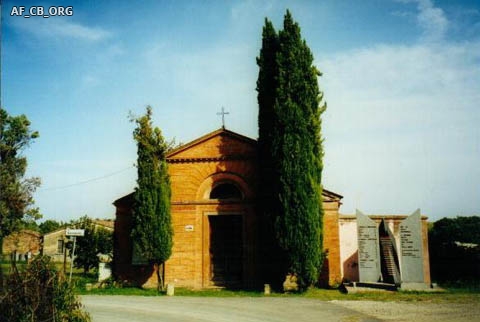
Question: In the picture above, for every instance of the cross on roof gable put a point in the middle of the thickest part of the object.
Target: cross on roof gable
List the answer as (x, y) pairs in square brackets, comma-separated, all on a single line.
[(221, 143)]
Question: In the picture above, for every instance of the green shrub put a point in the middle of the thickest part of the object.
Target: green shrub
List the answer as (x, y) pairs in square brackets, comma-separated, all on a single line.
[(454, 242), (40, 293)]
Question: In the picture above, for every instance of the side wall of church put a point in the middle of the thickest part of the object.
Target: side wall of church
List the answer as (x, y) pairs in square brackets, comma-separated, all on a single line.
[(331, 272), (122, 243)]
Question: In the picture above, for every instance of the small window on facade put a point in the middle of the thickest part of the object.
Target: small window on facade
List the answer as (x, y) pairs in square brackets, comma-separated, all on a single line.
[(225, 191), (60, 245)]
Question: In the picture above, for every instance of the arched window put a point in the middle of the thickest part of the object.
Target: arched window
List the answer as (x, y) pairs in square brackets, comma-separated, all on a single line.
[(225, 191)]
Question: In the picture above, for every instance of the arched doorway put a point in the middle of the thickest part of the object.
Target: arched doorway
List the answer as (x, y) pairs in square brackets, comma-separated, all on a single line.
[(226, 190)]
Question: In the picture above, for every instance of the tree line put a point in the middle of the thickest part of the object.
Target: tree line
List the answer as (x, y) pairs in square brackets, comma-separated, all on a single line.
[(454, 245)]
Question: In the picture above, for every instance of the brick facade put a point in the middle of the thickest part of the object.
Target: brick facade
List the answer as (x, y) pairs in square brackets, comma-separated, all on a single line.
[(196, 169)]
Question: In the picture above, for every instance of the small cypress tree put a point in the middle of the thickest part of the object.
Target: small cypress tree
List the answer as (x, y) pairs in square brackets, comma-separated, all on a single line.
[(152, 230), (290, 141)]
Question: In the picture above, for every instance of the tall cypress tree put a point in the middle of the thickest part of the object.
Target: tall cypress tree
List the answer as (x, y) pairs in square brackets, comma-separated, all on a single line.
[(290, 140), (266, 87), (152, 230), (273, 270)]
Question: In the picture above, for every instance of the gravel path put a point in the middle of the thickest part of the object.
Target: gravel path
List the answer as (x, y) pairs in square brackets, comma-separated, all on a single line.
[(415, 311), (264, 309), (208, 309)]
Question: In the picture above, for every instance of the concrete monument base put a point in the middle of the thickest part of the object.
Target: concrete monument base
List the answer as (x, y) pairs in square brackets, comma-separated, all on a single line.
[(414, 287)]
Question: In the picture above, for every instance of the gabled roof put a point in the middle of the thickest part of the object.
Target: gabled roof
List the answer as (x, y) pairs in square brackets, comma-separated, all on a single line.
[(327, 195), (104, 222), (61, 229), (127, 199), (331, 195), (221, 131), (108, 224)]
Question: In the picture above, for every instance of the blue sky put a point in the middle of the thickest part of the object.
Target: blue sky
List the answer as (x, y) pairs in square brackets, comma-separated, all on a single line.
[(401, 79)]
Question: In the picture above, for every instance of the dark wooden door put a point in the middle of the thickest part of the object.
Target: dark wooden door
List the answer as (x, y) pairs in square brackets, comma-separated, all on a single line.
[(226, 250)]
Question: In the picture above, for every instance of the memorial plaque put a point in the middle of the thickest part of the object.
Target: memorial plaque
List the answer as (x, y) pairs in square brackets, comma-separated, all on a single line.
[(411, 249), (368, 249)]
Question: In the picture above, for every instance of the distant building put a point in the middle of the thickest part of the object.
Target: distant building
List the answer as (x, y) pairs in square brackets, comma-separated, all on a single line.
[(22, 245), (54, 242)]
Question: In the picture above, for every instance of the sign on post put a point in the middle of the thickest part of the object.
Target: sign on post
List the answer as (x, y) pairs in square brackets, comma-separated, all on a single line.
[(75, 232)]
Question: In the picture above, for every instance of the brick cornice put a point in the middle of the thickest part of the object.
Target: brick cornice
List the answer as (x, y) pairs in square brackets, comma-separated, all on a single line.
[(211, 159), (213, 202)]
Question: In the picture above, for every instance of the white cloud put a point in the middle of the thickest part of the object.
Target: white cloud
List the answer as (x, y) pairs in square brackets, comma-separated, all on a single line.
[(404, 116), (432, 20), (59, 28), (402, 124)]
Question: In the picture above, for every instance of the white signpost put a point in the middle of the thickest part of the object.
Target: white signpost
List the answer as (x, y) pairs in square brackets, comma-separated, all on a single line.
[(74, 233)]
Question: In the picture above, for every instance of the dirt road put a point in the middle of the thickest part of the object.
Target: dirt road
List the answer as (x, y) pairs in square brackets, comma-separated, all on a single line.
[(251, 309)]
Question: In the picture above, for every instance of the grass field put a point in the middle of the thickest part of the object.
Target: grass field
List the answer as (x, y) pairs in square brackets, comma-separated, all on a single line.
[(463, 295), (454, 292)]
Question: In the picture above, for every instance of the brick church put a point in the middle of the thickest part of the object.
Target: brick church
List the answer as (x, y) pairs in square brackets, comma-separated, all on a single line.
[(216, 234)]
